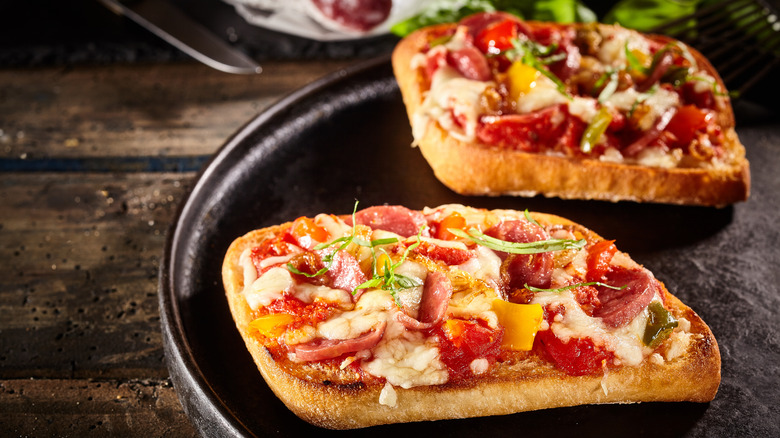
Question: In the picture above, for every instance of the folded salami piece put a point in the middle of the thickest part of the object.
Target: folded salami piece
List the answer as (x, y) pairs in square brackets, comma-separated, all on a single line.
[(499, 105), (379, 316)]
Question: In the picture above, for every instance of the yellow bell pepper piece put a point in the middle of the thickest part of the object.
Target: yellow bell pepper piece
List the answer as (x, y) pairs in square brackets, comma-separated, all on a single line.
[(272, 324), (522, 78), (520, 321)]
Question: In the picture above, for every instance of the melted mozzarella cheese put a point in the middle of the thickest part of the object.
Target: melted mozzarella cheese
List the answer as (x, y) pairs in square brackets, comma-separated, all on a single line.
[(268, 287), (276, 281), (373, 307), (333, 225), (388, 396), (656, 103), (543, 95), (485, 266), (469, 305), (410, 298), (479, 366), (406, 358), (615, 40), (451, 96), (584, 108), (658, 157)]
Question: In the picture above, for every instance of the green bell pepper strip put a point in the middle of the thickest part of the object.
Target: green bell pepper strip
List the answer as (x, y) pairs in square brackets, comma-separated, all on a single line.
[(659, 326), (595, 130)]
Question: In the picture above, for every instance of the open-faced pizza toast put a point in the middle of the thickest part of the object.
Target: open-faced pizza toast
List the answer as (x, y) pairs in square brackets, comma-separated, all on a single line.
[(380, 316), (499, 105)]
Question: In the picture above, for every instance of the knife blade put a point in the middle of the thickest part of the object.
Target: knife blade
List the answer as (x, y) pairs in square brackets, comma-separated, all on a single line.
[(178, 29)]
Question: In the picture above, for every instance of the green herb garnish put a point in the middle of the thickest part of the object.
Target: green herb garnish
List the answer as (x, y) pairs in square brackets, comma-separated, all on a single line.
[(530, 219), (573, 286), (537, 247), (328, 259), (389, 280)]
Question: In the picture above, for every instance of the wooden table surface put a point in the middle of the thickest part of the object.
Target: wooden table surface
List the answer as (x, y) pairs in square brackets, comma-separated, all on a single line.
[(93, 164)]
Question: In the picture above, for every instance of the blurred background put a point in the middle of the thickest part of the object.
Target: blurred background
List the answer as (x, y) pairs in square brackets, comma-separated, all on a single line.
[(40, 33)]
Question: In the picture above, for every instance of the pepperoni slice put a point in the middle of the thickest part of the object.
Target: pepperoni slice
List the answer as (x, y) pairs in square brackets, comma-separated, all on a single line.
[(471, 63), (436, 295), (435, 298), (359, 15), (619, 307), (518, 270), (393, 218), (322, 349), (345, 273)]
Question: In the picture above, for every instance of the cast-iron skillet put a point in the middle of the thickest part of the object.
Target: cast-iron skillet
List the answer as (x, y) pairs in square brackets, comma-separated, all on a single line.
[(346, 138)]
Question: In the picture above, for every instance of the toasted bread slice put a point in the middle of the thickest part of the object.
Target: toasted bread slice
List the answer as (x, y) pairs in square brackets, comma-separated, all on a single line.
[(329, 395), (475, 168)]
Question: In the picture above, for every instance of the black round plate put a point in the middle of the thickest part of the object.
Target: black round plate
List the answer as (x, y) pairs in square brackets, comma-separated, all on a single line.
[(347, 138)]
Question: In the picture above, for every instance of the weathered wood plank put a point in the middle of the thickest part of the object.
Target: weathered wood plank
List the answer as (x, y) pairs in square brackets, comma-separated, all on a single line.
[(137, 110), (79, 274), (80, 408)]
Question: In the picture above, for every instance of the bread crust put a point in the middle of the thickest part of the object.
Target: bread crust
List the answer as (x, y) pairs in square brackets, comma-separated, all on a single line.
[(509, 387), (474, 168)]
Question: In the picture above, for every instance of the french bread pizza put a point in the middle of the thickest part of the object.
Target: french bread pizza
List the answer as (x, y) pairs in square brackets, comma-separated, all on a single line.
[(393, 315), (501, 106)]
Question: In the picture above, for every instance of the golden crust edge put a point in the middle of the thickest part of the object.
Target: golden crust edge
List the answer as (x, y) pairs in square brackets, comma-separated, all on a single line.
[(693, 377), (477, 169)]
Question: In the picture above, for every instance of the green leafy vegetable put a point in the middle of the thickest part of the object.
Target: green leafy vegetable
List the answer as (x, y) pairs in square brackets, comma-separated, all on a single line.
[(644, 15), (452, 11), (518, 248), (442, 12)]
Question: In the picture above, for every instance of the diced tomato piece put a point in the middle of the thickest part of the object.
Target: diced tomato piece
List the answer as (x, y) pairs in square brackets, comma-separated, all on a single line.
[(497, 37), (599, 257), (702, 99), (450, 256), (686, 122), (307, 233), (478, 22), (454, 220), (462, 341), (305, 314), (278, 245), (578, 357)]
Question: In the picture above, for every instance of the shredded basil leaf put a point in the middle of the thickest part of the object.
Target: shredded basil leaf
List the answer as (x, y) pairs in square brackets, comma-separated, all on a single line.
[(573, 286), (530, 219), (518, 248), (389, 280), (610, 88)]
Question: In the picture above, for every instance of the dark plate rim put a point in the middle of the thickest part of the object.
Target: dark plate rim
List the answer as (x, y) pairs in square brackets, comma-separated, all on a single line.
[(188, 379)]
